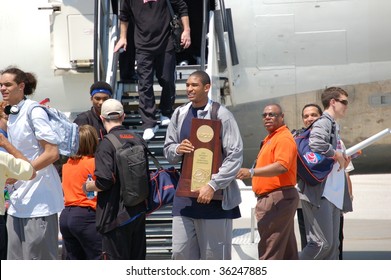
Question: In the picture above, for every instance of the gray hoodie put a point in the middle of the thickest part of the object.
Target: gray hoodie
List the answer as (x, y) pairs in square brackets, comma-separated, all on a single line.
[(323, 139), (232, 150)]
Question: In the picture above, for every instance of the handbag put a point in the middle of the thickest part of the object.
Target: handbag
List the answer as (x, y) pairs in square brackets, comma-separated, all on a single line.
[(163, 183), (313, 168), (162, 186), (176, 29)]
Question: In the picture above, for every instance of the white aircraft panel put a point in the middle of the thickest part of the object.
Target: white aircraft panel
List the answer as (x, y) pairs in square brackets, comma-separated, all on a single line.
[(81, 37), (274, 38), (276, 82), (321, 48)]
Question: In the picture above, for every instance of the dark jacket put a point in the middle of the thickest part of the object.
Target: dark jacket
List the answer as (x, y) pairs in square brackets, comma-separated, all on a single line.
[(110, 210), (90, 117)]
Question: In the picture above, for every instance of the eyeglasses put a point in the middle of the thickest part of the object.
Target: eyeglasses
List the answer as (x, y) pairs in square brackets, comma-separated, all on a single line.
[(270, 115), (343, 101)]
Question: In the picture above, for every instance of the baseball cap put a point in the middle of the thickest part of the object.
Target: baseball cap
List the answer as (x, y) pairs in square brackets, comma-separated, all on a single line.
[(112, 109), (101, 87)]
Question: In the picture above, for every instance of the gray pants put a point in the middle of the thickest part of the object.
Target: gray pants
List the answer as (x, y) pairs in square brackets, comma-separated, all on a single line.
[(201, 239), (32, 238), (322, 230)]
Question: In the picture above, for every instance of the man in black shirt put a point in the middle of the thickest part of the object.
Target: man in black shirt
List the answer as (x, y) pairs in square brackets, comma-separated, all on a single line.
[(100, 91), (155, 54), (122, 227)]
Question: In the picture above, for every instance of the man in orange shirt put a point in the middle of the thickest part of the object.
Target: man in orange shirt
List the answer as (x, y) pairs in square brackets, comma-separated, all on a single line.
[(273, 181)]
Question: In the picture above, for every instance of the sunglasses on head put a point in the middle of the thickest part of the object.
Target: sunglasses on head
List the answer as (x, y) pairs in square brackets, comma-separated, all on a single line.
[(343, 101), (271, 115)]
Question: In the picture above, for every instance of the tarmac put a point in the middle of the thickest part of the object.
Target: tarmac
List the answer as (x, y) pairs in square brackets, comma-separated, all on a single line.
[(367, 230)]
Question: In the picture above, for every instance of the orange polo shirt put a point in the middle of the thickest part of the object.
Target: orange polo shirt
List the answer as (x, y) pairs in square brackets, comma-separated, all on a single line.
[(280, 147), (74, 175)]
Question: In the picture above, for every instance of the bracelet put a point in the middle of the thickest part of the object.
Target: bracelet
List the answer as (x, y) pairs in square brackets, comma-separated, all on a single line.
[(251, 170)]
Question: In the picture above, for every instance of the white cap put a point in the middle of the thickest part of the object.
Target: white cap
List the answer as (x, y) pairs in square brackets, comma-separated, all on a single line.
[(112, 109)]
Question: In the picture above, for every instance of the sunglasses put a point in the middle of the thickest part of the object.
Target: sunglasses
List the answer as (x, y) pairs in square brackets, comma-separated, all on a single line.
[(270, 115), (343, 101)]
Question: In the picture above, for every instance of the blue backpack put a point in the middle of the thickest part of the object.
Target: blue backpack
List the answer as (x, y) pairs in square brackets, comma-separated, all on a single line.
[(313, 168), (66, 131)]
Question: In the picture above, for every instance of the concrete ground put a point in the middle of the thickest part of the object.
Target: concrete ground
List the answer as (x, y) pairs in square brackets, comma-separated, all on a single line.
[(367, 229)]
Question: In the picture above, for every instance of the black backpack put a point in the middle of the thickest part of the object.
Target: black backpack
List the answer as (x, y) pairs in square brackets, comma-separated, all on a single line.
[(132, 165)]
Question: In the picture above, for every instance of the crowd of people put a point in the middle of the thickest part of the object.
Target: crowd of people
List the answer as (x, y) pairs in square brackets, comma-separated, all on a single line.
[(202, 226), (101, 227)]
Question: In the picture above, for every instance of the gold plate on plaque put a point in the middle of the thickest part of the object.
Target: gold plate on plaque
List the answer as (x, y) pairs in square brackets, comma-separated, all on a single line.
[(202, 167), (205, 133)]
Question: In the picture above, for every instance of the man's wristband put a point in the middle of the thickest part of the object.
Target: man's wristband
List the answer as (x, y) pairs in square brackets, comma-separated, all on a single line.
[(251, 170)]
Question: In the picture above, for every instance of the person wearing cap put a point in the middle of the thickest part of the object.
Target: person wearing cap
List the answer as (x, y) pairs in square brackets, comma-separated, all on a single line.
[(100, 91), (126, 241)]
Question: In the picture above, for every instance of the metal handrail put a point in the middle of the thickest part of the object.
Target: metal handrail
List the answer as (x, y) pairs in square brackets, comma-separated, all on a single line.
[(106, 33), (205, 21)]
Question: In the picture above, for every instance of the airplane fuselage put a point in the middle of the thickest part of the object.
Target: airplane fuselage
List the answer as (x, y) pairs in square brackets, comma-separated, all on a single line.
[(288, 51)]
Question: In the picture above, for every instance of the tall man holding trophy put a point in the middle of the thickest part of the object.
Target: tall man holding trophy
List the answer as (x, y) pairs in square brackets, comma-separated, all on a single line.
[(206, 138)]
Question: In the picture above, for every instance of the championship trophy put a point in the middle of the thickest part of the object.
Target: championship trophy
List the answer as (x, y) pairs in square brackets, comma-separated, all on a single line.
[(199, 166)]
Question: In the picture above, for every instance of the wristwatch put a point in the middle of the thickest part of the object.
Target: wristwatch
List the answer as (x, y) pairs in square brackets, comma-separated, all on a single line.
[(251, 170)]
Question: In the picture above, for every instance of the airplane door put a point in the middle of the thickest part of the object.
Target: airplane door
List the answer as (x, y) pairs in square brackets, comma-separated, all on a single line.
[(72, 35)]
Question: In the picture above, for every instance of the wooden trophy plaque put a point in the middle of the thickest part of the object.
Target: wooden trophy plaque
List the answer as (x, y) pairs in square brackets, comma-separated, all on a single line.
[(198, 167)]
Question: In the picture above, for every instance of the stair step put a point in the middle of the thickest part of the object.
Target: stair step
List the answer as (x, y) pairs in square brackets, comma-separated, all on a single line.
[(159, 235), (131, 89), (130, 101), (162, 249)]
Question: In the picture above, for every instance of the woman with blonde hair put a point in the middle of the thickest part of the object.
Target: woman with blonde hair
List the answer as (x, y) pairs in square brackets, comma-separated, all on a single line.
[(77, 220)]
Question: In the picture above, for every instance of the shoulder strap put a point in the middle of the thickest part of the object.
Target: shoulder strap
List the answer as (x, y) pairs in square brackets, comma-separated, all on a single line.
[(177, 115), (154, 159), (117, 144), (332, 132), (170, 8), (213, 114), (332, 126), (215, 109), (114, 140), (29, 118)]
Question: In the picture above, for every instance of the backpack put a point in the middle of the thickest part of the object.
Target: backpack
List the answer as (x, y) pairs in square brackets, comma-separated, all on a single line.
[(132, 165), (67, 132), (313, 168)]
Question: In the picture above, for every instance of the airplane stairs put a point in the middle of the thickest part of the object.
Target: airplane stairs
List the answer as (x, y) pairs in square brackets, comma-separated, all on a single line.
[(159, 223)]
